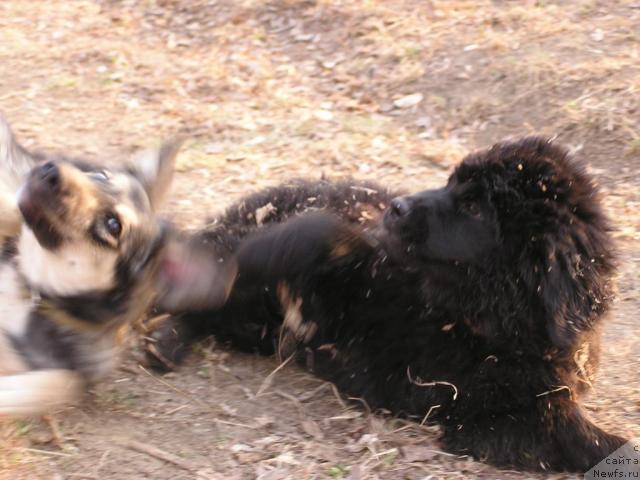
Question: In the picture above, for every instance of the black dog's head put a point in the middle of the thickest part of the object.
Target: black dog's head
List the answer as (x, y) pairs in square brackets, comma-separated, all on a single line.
[(517, 231)]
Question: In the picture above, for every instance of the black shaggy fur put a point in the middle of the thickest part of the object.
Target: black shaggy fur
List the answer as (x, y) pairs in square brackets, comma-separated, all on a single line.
[(478, 302)]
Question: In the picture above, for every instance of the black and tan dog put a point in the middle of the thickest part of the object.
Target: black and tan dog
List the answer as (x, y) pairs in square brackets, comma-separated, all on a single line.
[(82, 256), (476, 306)]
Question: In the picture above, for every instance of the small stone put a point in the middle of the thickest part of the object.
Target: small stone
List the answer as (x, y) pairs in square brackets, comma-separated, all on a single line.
[(324, 115), (423, 122)]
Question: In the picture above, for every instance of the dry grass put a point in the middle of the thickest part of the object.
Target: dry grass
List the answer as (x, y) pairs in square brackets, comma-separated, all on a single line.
[(272, 90)]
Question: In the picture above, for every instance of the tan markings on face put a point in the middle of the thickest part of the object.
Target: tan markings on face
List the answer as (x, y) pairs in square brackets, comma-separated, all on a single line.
[(83, 201), (78, 266), (128, 216), (125, 184), (132, 204), (80, 198), (86, 201), (120, 181)]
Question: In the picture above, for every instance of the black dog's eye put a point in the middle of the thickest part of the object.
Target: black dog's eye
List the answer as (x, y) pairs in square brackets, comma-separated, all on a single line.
[(113, 225), (471, 208)]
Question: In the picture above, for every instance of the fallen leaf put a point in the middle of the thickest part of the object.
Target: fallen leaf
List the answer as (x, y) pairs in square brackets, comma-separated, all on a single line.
[(418, 454), (408, 100), (263, 212), (312, 429), (355, 473)]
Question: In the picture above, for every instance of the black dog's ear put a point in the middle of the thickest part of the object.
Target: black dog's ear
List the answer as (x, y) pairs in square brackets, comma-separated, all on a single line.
[(192, 277), (574, 292), (15, 161)]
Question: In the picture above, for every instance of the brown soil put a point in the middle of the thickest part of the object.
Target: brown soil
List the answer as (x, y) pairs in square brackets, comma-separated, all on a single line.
[(395, 91)]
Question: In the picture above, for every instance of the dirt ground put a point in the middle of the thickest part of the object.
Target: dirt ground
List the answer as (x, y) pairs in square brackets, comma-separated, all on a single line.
[(390, 90)]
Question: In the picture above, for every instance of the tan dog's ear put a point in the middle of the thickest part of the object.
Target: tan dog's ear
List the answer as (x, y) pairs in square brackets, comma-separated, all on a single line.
[(192, 277), (155, 169), (15, 161), (15, 164)]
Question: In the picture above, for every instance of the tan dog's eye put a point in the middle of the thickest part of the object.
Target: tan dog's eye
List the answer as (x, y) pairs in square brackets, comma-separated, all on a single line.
[(113, 225), (101, 175)]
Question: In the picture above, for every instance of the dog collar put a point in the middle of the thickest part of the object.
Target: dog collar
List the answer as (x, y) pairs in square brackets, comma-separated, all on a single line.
[(65, 319), (43, 306)]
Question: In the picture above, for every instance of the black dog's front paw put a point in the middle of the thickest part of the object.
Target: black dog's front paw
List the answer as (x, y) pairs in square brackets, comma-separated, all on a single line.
[(168, 345)]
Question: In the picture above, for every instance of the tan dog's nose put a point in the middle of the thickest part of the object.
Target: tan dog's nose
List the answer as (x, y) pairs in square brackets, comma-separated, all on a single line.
[(48, 176)]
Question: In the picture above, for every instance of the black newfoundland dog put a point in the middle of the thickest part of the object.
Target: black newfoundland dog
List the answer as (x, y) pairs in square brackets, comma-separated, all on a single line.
[(476, 305)]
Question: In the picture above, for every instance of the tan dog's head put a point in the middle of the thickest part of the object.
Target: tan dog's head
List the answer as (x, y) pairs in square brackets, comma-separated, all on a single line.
[(88, 228), (90, 240)]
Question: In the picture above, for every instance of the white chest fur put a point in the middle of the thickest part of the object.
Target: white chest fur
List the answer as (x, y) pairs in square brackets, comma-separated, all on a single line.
[(70, 270)]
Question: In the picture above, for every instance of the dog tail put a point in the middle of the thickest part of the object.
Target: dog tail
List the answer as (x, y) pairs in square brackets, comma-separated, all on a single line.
[(582, 443)]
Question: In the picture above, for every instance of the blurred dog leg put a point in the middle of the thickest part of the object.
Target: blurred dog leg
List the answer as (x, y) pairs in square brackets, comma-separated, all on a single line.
[(9, 215), (38, 392)]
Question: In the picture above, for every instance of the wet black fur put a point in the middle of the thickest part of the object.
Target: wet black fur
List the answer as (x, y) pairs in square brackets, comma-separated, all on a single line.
[(479, 302)]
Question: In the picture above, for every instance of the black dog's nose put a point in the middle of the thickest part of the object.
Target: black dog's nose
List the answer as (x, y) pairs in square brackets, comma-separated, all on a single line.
[(49, 174), (399, 207)]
